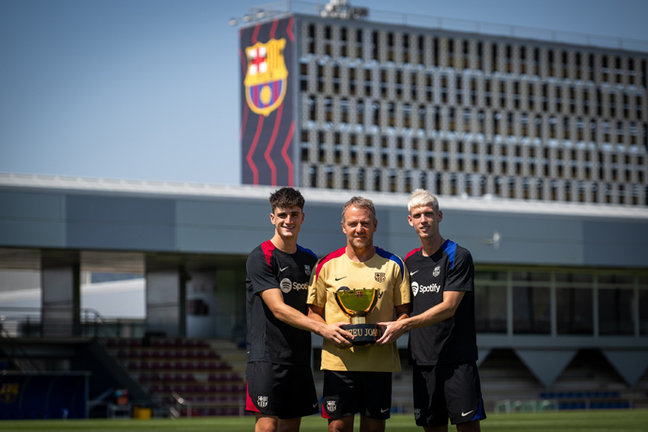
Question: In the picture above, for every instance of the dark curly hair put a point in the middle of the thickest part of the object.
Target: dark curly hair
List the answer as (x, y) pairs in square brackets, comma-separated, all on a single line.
[(285, 198)]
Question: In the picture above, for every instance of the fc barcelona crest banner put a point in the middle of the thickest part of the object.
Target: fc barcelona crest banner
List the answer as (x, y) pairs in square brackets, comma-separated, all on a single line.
[(267, 103), (265, 81)]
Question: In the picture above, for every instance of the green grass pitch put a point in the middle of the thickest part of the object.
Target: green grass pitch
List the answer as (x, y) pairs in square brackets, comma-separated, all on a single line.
[(572, 421)]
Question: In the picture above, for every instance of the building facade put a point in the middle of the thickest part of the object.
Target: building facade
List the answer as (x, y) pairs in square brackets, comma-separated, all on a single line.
[(384, 107)]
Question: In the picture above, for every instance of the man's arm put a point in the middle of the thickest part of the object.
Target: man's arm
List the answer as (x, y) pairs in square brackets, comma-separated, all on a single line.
[(316, 312), (333, 332), (283, 312), (441, 312), (288, 314), (402, 311)]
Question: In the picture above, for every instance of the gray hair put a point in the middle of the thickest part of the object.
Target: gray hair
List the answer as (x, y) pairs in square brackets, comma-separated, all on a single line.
[(360, 202)]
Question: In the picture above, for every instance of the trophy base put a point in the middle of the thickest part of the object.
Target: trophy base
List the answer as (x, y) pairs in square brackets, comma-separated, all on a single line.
[(363, 333)]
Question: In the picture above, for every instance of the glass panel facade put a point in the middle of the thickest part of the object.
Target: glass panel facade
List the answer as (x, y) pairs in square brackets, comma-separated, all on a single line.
[(616, 304), (574, 303), (643, 306), (531, 310), (490, 308), (574, 311), (643, 312), (615, 312), (582, 296), (532, 276), (490, 275), (581, 279)]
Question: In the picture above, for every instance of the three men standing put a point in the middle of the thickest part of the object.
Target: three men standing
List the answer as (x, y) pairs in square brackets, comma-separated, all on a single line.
[(357, 378)]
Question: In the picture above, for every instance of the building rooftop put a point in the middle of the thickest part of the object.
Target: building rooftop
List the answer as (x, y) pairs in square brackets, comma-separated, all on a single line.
[(279, 8), (332, 196)]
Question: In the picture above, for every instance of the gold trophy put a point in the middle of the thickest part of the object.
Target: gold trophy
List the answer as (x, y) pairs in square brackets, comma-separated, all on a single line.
[(357, 304)]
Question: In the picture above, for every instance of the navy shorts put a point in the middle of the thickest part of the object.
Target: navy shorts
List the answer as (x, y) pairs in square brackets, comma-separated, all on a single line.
[(346, 393), (280, 390), (447, 391)]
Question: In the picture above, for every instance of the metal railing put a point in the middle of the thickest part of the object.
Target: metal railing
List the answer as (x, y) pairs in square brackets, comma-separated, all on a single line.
[(16, 354), (17, 321)]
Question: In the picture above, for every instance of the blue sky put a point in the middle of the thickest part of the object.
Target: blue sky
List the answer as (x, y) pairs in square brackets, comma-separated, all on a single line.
[(148, 89)]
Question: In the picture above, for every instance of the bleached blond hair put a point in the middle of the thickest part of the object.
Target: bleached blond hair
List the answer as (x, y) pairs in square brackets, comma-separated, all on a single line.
[(421, 197)]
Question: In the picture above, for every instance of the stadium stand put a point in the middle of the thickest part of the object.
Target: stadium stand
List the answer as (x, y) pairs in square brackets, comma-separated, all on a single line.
[(588, 382), (184, 377)]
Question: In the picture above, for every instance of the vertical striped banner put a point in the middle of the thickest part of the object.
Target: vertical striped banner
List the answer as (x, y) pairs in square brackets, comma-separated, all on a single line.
[(267, 129)]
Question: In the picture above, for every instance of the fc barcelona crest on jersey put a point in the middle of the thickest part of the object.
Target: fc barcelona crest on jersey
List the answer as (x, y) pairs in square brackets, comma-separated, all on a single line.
[(437, 271), (262, 401), (266, 77), (331, 406)]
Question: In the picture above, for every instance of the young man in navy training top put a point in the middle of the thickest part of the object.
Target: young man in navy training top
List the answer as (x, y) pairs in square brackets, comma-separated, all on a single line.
[(280, 386), (442, 340)]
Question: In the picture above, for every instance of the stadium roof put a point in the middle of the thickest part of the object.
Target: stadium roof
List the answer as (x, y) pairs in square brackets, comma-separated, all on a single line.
[(151, 187)]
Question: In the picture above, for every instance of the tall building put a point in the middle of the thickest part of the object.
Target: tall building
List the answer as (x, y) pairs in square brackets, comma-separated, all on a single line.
[(333, 100)]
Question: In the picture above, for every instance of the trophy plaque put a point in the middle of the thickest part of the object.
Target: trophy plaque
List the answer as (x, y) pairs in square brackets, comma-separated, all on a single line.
[(357, 303)]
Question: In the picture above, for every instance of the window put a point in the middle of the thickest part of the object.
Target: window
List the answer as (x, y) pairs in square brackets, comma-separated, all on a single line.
[(531, 303), (574, 304), (490, 301), (643, 306), (615, 304)]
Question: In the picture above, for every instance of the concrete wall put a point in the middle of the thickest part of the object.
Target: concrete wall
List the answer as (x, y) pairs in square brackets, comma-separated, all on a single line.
[(235, 223)]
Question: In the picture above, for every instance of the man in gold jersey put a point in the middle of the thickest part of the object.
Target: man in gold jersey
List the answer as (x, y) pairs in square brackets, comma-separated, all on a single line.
[(358, 379)]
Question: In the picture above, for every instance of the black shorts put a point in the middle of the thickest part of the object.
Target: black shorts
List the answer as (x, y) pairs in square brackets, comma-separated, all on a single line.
[(346, 393), (447, 391), (280, 390)]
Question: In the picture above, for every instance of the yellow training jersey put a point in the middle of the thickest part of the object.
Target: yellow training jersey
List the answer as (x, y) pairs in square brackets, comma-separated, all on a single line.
[(387, 274)]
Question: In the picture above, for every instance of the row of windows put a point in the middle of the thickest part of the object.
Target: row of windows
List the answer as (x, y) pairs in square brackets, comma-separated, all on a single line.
[(469, 53), (479, 158), (458, 89), (457, 184), (560, 303), (427, 119)]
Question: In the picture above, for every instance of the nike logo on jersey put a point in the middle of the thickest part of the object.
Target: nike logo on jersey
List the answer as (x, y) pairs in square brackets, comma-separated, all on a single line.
[(282, 269), (464, 414), (414, 272), (383, 410), (339, 278)]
